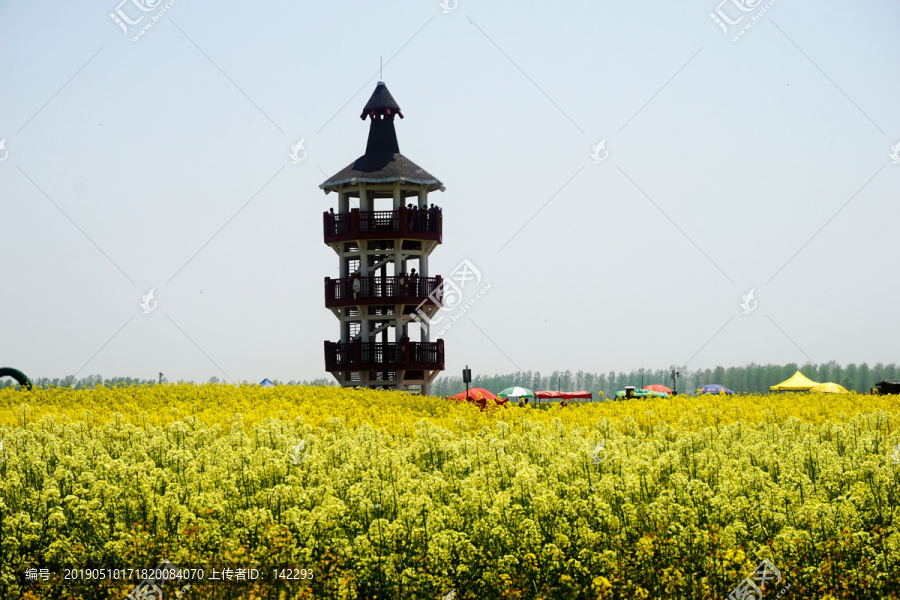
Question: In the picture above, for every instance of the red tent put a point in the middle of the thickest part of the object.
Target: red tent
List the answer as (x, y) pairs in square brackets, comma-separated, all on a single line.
[(475, 394), (656, 387), (546, 395), (479, 396)]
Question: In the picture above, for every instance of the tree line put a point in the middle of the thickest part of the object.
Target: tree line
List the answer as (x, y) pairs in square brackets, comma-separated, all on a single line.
[(748, 379), (92, 381)]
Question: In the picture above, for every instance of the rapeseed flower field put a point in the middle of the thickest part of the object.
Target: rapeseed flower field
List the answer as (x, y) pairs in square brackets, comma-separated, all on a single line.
[(334, 493)]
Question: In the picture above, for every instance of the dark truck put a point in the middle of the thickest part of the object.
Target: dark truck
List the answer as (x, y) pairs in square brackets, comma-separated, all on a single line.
[(886, 387), (631, 392)]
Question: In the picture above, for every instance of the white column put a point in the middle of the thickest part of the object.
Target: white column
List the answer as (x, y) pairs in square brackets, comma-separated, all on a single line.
[(365, 202), (363, 258), (398, 267), (423, 198), (343, 202)]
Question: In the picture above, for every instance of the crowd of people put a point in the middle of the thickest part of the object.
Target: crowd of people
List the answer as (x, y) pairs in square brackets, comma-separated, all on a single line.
[(418, 219), (422, 219)]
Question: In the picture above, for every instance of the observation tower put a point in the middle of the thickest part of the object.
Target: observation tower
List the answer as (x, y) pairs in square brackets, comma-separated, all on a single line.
[(383, 232)]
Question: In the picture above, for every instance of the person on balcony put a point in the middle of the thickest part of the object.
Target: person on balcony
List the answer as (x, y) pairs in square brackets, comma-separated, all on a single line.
[(356, 285), (404, 287), (404, 349), (432, 215), (414, 283)]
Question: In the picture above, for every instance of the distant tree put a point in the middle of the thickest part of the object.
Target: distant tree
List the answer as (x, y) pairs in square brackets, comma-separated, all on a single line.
[(837, 374), (849, 379), (823, 372), (718, 376), (864, 378), (877, 373)]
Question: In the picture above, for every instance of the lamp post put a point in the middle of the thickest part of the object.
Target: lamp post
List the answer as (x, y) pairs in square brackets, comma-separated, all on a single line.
[(674, 376)]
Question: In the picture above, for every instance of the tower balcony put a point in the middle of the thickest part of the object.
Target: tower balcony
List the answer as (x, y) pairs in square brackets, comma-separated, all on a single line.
[(380, 224), (396, 289), (377, 356)]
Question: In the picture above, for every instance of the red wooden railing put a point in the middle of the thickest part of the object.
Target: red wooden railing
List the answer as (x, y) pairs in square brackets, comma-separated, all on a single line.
[(368, 356), (395, 289), (356, 224)]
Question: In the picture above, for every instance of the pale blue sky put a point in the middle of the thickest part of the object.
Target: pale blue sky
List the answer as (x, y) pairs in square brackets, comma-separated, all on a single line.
[(163, 163)]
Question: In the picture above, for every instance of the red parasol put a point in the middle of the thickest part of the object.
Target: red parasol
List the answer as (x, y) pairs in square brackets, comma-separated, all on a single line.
[(479, 396), (475, 394)]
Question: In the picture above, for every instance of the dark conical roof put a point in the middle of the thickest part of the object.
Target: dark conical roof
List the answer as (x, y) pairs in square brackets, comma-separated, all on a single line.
[(382, 168), (382, 161), (381, 100)]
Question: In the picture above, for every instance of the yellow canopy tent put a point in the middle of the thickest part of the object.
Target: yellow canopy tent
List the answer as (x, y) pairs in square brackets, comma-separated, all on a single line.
[(797, 383), (831, 388)]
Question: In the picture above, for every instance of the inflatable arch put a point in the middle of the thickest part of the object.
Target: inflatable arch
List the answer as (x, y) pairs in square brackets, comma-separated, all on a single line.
[(16, 374)]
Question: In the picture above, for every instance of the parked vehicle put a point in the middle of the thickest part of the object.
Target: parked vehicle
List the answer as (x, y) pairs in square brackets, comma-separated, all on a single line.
[(886, 387), (630, 392)]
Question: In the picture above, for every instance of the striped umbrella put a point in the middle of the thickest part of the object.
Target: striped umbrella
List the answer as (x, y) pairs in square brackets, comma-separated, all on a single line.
[(516, 392)]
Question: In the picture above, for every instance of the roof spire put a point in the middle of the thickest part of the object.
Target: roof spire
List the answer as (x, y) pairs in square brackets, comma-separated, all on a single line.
[(381, 104), (381, 108), (382, 161)]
